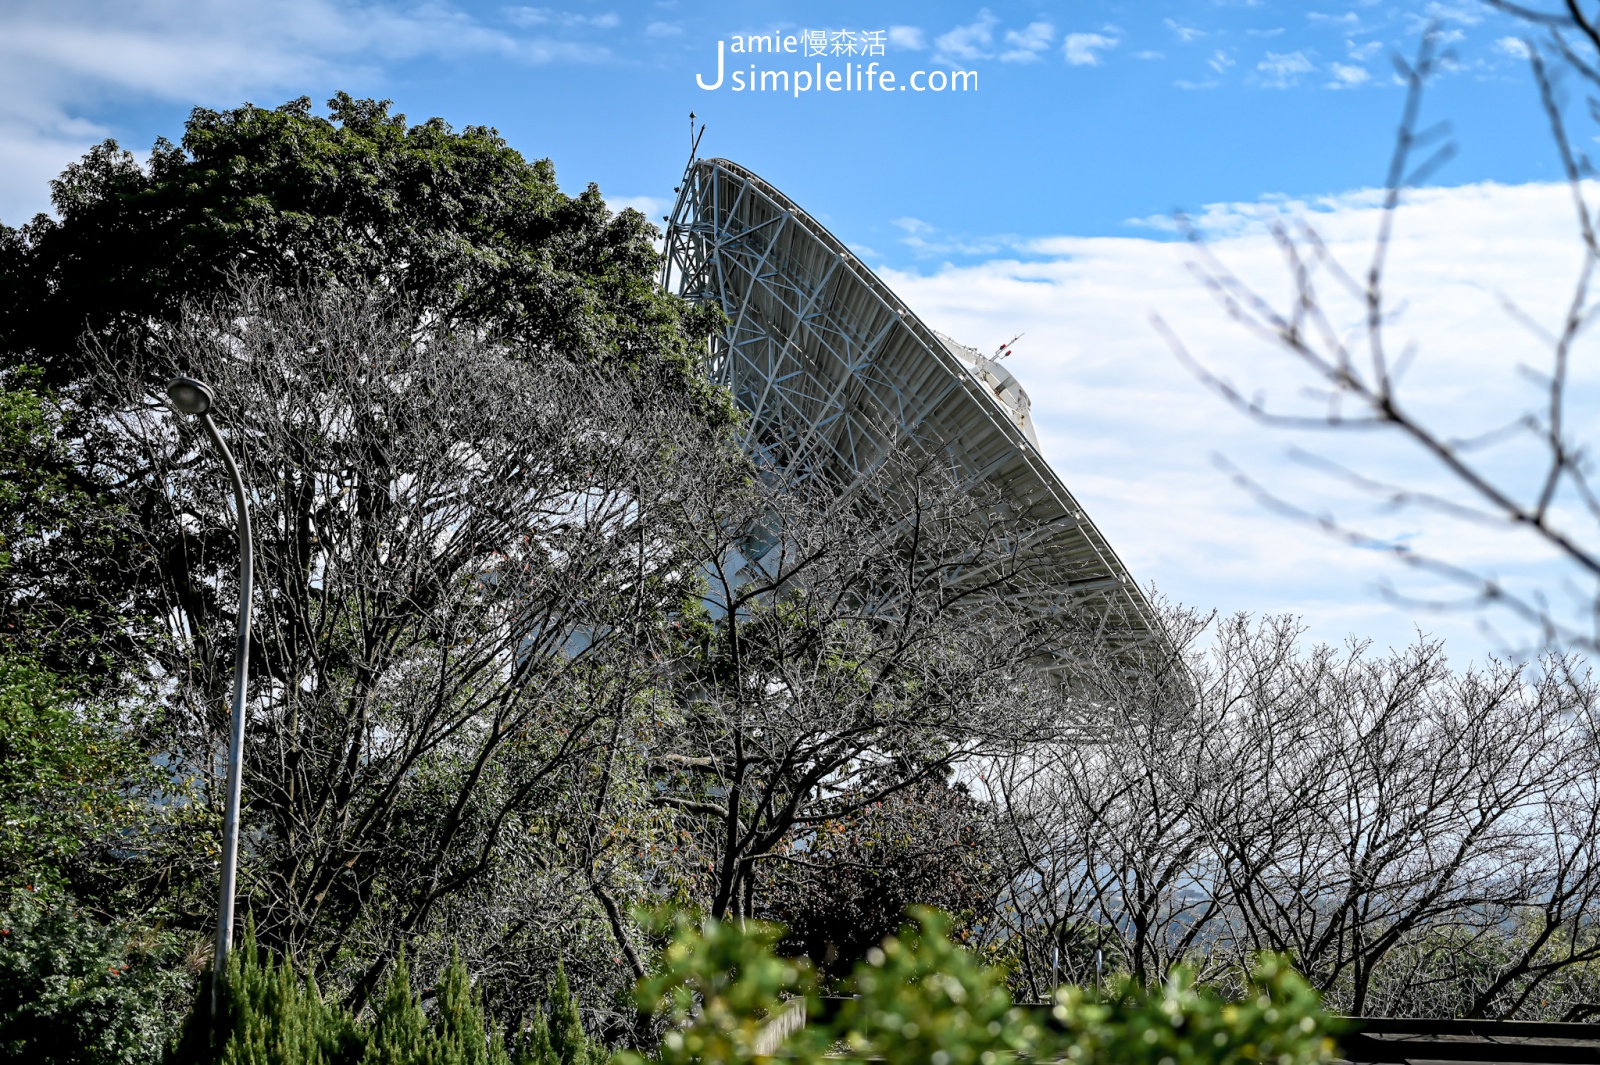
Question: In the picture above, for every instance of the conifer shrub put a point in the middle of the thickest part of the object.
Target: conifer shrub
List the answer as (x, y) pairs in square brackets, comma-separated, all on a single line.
[(556, 1035), (273, 1015)]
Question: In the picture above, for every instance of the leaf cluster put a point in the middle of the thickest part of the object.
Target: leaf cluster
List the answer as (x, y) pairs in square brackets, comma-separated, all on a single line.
[(76, 991), (920, 998)]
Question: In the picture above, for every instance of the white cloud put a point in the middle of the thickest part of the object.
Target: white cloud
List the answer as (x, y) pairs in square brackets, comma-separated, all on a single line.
[(1027, 45), (1346, 76), (1148, 54), (545, 16), (1283, 70), (652, 207), (1082, 49), (1360, 53), (971, 41), (907, 37), (1515, 47), (1466, 14), (1349, 22), (1220, 61), (1185, 33), (926, 241), (663, 29), (1133, 434)]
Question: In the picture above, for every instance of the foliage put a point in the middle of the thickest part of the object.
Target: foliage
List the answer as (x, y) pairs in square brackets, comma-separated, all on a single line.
[(69, 776), (1279, 1019), (74, 991), (568, 1045), (719, 983), (533, 1043), (61, 546), (922, 999), (558, 1038), (841, 885), (399, 1027)]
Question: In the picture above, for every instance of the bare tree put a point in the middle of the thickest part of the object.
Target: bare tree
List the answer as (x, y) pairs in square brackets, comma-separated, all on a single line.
[(1389, 800), (1356, 377), (1417, 839), (851, 645), (1112, 857), (462, 553)]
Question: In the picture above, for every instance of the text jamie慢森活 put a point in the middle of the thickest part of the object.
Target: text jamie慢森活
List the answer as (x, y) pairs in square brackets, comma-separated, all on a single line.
[(851, 76)]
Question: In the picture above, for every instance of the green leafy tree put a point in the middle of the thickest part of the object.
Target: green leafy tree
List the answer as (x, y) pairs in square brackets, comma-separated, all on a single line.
[(841, 885), (63, 551), (459, 220), (71, 782)]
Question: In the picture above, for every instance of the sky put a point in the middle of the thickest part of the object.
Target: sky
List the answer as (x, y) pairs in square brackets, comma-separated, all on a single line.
[(1034, 194)]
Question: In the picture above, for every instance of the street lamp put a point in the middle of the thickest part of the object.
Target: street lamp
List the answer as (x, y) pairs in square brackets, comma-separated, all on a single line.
[(189, 396)]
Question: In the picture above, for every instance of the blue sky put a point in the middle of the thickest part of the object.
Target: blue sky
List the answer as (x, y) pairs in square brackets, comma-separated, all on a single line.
[(1086, 114), (1033, 203)]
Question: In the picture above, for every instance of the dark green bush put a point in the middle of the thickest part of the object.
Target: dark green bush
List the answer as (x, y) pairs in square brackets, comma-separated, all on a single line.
[(74, 991)]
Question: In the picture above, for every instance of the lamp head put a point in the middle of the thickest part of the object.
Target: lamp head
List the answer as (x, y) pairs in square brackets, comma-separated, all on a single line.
[(189, 396)]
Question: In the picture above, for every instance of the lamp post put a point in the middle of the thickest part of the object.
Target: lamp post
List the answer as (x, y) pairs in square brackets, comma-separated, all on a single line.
[(189, 396)]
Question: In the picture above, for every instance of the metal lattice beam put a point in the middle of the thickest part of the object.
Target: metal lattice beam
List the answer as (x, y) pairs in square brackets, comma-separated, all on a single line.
[(835, 371)]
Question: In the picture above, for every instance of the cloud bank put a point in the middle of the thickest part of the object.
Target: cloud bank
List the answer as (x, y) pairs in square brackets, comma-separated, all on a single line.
[(1139, 439)]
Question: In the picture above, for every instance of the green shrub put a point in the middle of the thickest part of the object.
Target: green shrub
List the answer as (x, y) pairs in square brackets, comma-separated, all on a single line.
[(533, 1044), (719, 984), (271, 1015), (922, 1000), (74, 990), (400, 1029)]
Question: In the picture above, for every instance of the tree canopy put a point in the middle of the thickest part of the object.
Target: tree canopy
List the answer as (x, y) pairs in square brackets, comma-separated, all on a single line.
[(460, 221)]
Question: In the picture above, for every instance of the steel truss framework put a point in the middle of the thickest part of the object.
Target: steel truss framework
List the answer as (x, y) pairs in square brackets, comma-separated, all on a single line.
[(835, 371)]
